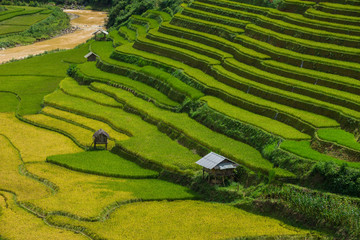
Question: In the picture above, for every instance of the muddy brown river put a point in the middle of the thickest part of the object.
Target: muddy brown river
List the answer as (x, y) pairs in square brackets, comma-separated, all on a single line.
[(88, 22)]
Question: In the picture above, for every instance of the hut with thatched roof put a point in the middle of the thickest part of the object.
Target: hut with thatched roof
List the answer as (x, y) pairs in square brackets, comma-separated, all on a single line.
[(100, 137), (91, 57)]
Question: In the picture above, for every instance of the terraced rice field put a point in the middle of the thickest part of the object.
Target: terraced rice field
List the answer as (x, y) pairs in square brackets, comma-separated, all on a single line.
[(275, 90)]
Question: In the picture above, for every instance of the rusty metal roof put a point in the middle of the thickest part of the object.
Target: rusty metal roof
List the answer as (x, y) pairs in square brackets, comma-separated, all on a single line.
[(214, 160)]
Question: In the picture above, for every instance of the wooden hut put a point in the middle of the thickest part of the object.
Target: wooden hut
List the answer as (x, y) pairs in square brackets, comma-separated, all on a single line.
[(100, 137), (91, 57), (217, 166), (100, 34)]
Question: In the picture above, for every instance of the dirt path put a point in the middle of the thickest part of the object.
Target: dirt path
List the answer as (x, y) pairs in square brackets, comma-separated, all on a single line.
[(88, 22)]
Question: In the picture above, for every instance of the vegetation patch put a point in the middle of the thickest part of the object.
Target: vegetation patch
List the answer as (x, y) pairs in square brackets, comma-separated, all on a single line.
[(102, 163), (339, 136), (303, 149)]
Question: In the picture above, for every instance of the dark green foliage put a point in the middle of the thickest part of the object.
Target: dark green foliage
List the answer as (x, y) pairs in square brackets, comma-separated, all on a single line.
[(230, 127), (335, 178), (122, 9), (52, 25), (339, 214)]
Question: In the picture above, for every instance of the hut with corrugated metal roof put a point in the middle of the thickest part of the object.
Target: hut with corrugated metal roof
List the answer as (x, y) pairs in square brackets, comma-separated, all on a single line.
[(100, 137), (217, 166), (91, 57), (100, 34)]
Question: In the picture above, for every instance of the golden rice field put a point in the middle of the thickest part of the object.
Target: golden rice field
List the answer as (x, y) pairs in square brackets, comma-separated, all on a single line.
[(182, 220), (11, 180), (17, 223), (34, 143)]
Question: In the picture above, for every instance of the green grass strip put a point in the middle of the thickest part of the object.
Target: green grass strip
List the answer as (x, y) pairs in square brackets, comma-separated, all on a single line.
[(298, 56), (70, 86), (117, 39), (213, 40), (27, 20), (265, 123), (315, 24), (323, 16), (341, 7), (146, 141), (299, 96), (208, 16), (230, 29), (152, 23), (339, 136), (303, 149), (237, 6), (164, 16), (102, 163), (309, 72), (235, 150), (90, 70), (210, 82), (355, 52), (127, 33), (104, 50), (172, 81), (279, 24)]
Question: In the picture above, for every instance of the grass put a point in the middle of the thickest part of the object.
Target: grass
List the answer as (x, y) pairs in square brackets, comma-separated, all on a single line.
[(342, 19), (152, 23), (336, 95), (210, 82), (9, 102), (99, 191), (102, 163), (71, 87), (273, 23), (183, 123), (105, 49), (89, 69), (117, 39), (146, 140), (313, 46), (262, 122), (127, 33), (180, 220), (309, 72), (7, 29), (26, 20), (89, 123), (303, 149), (17, 223), (35, 77), (339, 136), (172, 81), (164, 16), (34, 143), (294, 55)]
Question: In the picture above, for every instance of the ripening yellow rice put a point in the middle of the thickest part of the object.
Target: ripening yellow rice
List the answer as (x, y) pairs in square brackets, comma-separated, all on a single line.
[(91, 123), (17, 223), (10, 179), (79, 193), (182, 220), (34, 143), (82, 135)]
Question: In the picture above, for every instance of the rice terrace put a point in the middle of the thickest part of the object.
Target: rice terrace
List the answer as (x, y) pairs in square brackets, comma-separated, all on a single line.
[(179, 119)]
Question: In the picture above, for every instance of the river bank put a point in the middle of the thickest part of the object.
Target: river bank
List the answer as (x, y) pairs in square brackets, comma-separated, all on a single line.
[(83, 26)]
